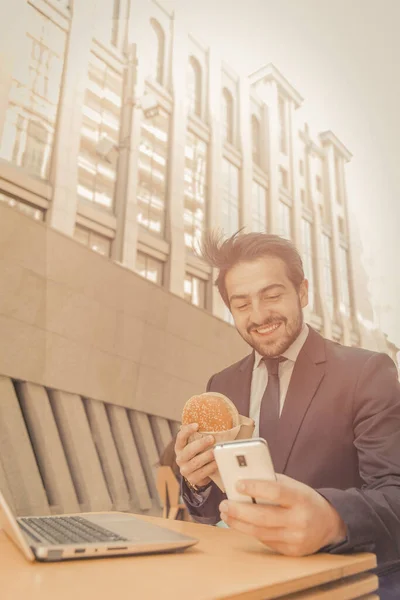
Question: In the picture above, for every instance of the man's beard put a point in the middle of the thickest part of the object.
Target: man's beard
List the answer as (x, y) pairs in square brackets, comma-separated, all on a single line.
[(277, 346)]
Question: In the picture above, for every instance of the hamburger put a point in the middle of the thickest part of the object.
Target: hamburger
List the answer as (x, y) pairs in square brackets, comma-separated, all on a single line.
[(212, 411)]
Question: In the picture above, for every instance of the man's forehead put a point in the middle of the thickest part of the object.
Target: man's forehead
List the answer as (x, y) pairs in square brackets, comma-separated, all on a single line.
[(268, 268), (253, 281)]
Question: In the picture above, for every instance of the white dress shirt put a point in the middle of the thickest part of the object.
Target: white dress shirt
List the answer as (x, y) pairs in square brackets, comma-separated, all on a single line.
[(259, 379)]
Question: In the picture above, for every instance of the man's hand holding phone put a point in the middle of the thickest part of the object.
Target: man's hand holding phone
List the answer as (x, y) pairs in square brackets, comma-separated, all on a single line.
[(301, 521), (195, 459)]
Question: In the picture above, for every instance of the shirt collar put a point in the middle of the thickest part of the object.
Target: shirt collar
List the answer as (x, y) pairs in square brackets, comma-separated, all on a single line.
[(292, 352)]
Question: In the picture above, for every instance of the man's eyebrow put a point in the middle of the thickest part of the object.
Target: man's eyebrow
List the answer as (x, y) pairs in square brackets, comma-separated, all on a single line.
[(267, 288)]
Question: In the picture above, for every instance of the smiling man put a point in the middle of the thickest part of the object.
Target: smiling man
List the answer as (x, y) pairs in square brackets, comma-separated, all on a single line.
[(330, 415)]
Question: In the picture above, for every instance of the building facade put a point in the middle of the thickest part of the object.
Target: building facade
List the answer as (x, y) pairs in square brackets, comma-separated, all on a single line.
[(121, 130)]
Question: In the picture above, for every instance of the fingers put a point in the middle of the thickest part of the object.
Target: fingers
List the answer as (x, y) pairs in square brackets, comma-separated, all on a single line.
[(203, 474), (260, 516), (284, 492), (195, 459), (183, 435), (194, 448)]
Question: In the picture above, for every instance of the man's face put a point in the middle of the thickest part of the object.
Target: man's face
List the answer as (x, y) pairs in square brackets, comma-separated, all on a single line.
[(265, 305)]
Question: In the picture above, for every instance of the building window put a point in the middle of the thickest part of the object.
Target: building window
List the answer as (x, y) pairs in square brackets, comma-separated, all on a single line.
[(327, 273), (306, 230), (95, 241), (303, 197), (301, 166), (282, 126), (150, 268), (158, 47), (97, 171), (152, 176), (256, 139), (30, 119), (195, 290), (230, 198), (318, 183), (259, 207), (194, 86), (227, 116), (27, 209), (195, 190), (283, 178), (285, 220), (344, 282)]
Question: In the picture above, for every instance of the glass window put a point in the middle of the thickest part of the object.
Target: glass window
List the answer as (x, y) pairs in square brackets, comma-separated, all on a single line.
[(259, 207), (27, 209), (30, 120), (256, 139), (97, 170), (150, 268), (194, 90), (301, 166), (95, 241), (158, 47), (195, 290), (152, 175), (308, 261), (318, 182), (227, 116), (282, 126), (228, 316), (303, 197), (327, 273), (196, 156), (285, 220), (230, 197), (344, 282)]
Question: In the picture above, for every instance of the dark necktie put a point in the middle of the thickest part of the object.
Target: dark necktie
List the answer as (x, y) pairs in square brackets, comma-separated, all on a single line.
[(270, 402)]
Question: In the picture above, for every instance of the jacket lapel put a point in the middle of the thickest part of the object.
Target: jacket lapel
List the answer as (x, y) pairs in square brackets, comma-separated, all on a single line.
[(307, 375), (240, 385)]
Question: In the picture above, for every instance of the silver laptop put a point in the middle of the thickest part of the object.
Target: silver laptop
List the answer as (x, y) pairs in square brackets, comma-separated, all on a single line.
[(62, 537)]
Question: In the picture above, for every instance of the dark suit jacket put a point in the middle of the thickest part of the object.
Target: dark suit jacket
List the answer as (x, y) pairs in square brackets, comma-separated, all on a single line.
[(339, 433)]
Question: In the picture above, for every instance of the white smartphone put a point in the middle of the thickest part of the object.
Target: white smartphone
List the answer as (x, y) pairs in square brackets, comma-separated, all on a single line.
[(243, 459)]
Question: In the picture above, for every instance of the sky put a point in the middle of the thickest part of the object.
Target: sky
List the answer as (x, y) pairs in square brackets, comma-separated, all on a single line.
[(343, 57)]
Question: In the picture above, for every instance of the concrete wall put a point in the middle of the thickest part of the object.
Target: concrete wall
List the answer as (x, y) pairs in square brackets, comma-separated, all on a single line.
[(74, 321)]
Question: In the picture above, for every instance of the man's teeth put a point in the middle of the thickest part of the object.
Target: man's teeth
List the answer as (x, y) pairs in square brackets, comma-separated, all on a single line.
[(268, 329)]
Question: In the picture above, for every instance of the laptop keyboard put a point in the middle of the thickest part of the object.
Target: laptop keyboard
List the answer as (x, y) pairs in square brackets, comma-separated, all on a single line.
[(67, 530)]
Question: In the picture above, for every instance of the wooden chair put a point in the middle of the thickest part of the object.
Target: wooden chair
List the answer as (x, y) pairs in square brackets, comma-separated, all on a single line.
[(169, 491)]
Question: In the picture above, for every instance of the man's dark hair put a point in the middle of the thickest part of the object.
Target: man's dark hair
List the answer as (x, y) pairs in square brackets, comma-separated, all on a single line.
[(244, 247)]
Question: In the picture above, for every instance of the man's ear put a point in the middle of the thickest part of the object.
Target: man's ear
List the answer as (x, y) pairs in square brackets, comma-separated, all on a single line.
[(303, 293)]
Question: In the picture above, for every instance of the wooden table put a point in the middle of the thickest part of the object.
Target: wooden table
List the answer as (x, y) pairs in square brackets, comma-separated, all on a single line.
[(224, 564)]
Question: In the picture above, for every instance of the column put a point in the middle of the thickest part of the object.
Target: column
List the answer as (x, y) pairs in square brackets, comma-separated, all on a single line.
[(294, 157), (215, 164), (331, 190), (177, 256), (246, 145), (62, 214), (269, 93)]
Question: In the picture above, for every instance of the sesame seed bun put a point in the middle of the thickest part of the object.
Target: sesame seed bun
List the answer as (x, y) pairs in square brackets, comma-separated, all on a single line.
[(212, 411)]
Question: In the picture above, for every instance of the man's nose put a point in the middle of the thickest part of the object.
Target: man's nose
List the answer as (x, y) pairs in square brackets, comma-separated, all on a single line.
[(259, 314)]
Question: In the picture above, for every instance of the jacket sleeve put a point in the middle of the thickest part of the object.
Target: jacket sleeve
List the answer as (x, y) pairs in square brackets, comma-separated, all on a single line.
[(372, 513), (203, 506)]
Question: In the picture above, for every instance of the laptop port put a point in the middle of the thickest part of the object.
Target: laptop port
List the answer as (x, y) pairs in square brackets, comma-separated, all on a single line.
[(80, 550), (118, 548)]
